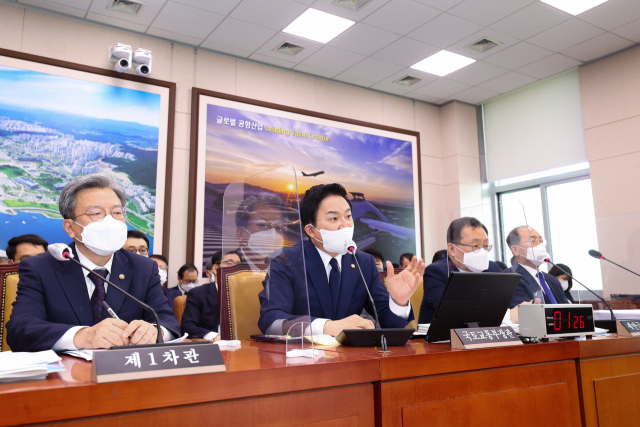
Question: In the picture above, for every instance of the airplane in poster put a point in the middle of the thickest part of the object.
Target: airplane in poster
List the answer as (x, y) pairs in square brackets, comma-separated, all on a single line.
[(312, 174)]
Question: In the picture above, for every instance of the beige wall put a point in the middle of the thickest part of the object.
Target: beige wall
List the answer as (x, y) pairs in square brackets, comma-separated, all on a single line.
[(448, 135), (611, 107)]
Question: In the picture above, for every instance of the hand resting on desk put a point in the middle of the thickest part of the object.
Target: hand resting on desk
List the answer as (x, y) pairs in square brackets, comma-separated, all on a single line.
[(334, 327), (115, 332)]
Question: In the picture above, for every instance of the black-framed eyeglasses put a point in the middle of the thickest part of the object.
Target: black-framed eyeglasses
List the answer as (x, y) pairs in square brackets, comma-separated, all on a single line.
[(229, 263), (142, 251), (98, 214), (263, 225), (475, 248)]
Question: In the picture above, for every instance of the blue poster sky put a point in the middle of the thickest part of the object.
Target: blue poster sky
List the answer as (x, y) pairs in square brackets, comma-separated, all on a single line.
[(377, 166), (32, 89)]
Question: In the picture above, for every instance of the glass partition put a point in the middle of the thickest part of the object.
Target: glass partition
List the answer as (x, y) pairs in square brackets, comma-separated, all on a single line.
[(263, 268)]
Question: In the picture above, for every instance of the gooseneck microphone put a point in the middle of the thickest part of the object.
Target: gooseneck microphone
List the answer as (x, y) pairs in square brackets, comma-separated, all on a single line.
[(613, 317), (62, 252), (351, 248), (598, 255)]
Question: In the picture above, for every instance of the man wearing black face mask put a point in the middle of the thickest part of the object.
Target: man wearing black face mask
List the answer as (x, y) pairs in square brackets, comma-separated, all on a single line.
[(59, 304), (337, 294)]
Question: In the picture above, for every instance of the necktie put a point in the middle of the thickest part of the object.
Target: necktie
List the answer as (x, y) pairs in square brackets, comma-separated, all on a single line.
[(99, 294), (334, 285), (546, 289)]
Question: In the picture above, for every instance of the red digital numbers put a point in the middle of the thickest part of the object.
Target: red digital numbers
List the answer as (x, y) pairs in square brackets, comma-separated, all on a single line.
[(581, 322), (556, 321), (569, 320)]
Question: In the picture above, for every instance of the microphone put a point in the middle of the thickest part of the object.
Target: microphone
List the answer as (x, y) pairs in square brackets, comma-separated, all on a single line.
[(613, 317), (62, 252), (598, 255), (351, 248)]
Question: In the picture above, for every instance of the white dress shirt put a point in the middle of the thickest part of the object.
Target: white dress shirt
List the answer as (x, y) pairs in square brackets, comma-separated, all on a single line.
[(66, 341)]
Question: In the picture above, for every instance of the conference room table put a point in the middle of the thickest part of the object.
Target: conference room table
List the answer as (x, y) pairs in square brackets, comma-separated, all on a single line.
[(590, 382)]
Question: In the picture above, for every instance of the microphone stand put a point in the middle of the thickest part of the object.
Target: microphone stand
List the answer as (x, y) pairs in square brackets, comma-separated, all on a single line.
[(159, 340), (624, 268), (613, 317)]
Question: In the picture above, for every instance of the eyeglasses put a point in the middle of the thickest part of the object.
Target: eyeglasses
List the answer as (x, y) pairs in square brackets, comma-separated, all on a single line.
[(263, 225), (98, 214), (140, 252), (185, 282), (230, 263), (476, 248), (536, 240)]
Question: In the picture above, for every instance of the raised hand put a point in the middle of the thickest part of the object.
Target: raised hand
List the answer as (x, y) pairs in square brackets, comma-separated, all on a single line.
[(403, 285)]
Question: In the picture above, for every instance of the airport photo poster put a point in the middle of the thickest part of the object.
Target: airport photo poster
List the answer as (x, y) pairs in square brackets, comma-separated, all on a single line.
[(236, 138), (59, 121)]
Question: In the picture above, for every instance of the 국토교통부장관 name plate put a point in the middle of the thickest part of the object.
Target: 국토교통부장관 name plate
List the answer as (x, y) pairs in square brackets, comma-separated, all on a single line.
[(143, 362), (470, 338)]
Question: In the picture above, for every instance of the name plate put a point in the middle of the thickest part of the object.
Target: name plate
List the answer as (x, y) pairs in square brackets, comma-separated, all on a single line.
[(470, 338), (628, 328), (136, 363)]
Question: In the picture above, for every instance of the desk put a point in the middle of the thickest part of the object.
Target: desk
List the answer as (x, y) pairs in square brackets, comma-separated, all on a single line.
[(503, 386), (259, 388), (609, 379)]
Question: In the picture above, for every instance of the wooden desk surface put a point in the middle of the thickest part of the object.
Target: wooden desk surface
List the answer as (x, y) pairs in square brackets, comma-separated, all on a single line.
[(608, 345), (249, 373), (433, 359)]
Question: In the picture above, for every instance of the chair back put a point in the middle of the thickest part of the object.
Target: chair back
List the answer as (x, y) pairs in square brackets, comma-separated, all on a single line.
[(416, 298), (8, 291), (179, 305), (239, 303)]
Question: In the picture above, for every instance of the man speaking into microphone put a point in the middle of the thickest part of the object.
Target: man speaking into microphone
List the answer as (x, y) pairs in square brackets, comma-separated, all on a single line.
[(59, 304), (337, 293)]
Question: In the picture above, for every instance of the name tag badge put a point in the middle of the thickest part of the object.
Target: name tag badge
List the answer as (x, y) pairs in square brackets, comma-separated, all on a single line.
[(470, 338)]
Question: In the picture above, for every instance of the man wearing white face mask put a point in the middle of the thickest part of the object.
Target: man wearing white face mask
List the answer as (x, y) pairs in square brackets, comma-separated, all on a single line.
[(468, 251), (187, 278), (337, 294), (529, 251), (59, 304)]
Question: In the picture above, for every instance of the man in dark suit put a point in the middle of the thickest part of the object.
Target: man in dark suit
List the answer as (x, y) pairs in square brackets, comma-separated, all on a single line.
[(337, 294), (201, 317), (468, 251), (59, 304), (529, 251)]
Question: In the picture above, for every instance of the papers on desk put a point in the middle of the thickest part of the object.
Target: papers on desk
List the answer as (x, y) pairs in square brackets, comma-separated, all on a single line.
[(28, 366), (87, 354), (323, 340), (422, 330), (228, 344)]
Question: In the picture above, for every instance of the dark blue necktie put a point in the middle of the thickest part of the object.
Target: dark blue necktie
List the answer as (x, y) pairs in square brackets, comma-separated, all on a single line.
[(334, 285), (546, 289), (99, 294)]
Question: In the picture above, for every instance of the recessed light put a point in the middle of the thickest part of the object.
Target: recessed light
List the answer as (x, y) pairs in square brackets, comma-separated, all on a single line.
[(574, 7), (443, 63), (318, 26)]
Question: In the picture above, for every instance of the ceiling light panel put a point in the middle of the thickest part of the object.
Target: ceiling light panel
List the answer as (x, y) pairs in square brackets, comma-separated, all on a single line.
[(318, 26), (574, 7), (443, 63)]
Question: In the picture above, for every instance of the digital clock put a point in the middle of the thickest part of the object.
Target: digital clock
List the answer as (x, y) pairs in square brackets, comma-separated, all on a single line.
[(556, 320)]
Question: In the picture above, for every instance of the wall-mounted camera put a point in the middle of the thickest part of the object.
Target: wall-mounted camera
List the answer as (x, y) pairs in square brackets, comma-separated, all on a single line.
[(125, 58)]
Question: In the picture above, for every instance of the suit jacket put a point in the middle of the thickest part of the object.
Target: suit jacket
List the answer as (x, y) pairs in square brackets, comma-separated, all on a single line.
[(52, 297), (171, 294), (434, 281), (284, 295), (202, 314), (528, 286)]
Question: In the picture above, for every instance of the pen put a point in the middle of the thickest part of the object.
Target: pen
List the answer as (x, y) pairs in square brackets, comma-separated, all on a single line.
[(110, 310)]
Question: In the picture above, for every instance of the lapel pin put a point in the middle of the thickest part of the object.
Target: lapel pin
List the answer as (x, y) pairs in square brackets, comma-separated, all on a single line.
[(353, 266), (121, 277)]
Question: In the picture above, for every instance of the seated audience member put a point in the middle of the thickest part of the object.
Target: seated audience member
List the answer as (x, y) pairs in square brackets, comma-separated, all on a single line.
[(377, 257), (163, 272), (502, 265), (528, 250), (212, 266), (59, 304), (25, 246), (201, 317), (137, 243), (439, 255), (337, 294), (187, 278), (565, 280), (468, 251), (405, 260)]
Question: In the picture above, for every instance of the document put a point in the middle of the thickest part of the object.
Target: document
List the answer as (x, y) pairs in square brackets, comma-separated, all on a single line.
[(24, 366)]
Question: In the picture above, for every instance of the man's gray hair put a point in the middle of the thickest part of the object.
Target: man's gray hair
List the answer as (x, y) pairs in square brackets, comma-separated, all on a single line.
[(69, 197)]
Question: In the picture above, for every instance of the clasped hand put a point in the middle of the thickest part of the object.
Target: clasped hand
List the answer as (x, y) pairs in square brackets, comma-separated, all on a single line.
[(115, 332)]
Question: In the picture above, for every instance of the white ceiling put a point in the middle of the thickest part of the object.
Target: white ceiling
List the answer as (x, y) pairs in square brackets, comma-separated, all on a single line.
[(537, 41)]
